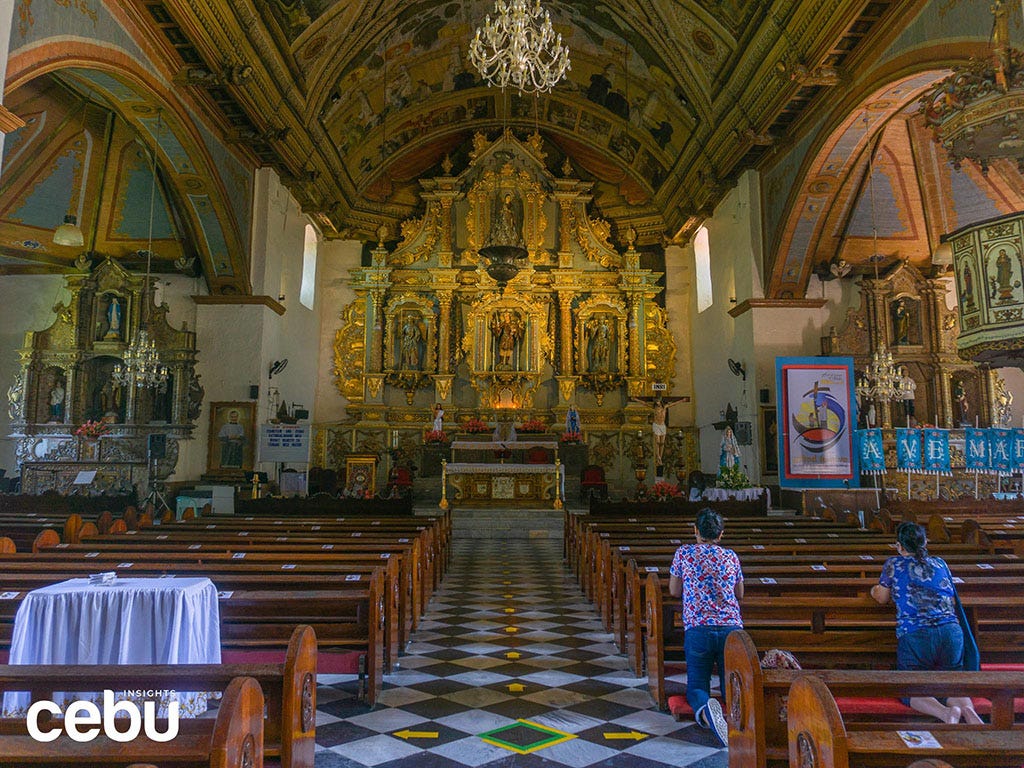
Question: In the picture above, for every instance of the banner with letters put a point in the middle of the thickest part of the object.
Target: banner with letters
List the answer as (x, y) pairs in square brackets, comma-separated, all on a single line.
[(816, 420), (936, 452), (908, 449), (1017, 456), (1000, 444), (976, 452), (871, 451)]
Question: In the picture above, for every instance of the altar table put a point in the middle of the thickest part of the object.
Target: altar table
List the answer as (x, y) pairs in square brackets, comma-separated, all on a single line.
[(131, 621), (736, 494), (506, 484)]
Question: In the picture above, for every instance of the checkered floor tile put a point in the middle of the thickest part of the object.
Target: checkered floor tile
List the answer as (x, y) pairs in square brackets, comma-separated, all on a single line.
[(510, 667)]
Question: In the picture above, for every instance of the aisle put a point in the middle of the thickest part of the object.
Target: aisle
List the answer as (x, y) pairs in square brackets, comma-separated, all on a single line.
[(508, 637)]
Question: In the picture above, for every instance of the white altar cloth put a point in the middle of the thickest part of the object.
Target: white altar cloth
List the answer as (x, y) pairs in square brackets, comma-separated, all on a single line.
[(736, 494), (500, 445), (131, 621), (473, 468)]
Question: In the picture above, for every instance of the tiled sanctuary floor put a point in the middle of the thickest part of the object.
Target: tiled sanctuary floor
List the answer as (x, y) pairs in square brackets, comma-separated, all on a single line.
[(508, 637)]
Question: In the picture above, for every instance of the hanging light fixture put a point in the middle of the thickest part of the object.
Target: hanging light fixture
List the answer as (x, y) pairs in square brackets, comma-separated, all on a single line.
[(519, 48), (69, 233), (142, 366)]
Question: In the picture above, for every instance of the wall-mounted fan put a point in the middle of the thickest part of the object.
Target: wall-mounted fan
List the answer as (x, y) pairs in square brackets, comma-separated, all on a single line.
[(737, 368), (277, 366)]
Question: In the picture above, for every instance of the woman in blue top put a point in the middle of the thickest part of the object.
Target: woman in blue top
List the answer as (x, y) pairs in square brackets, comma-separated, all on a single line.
[(928, 635)]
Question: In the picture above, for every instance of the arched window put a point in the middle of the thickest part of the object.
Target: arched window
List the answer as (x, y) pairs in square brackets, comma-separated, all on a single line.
[(307, 292), (702, 256)]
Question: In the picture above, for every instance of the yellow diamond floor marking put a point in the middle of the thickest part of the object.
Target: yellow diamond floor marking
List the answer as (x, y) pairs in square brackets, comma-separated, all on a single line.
[(508, 597), (516, 687), (510, 610), (512, 655), (553, 736), (511, 630)]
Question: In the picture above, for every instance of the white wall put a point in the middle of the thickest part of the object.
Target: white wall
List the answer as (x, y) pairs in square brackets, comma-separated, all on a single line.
[(334, 293)]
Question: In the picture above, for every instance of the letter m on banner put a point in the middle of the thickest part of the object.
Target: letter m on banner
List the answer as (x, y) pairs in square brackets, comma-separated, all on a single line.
[(976, 454)]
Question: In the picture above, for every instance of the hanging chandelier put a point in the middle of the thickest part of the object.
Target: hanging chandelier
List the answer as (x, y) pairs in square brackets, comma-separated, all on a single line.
[(142, 366), (519, 48), (881, 381), (977, 113)]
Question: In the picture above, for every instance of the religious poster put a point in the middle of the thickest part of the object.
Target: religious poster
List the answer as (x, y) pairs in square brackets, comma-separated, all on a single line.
[(816, 419), (231, 450)]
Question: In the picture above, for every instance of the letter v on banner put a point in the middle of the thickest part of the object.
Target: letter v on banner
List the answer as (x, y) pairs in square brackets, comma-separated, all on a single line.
[(908, 449)]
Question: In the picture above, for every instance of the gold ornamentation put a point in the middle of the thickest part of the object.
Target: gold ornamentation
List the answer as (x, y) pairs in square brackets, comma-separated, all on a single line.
[(419, 236), (350, 351), (660, 352)]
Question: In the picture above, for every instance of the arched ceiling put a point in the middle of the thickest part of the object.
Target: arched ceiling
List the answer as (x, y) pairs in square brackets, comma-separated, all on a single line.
[(353, 100)]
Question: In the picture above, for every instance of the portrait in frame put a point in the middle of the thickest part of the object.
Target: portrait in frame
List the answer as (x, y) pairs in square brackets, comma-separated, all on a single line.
[(231, 450)]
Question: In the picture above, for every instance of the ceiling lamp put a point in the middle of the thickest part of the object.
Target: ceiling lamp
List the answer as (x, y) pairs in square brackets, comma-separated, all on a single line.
[(142, 366), (519, 47), (504, 250), (977, 113), (69, 233)]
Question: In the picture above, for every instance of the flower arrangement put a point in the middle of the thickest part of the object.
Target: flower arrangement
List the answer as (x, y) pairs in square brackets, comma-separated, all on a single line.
[(435, 436), (92, 430), (662, 491), (475, 427), (732, 477), (571, 437), (533, 426)]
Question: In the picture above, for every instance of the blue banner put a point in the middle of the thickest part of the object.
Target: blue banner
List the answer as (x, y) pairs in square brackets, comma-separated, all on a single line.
[(1001, 449), (976, 450), (1017, 459), (872, 454), (908, 449), (936, 451)]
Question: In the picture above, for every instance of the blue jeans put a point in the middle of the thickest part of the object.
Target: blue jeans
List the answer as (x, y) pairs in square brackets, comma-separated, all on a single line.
[(704, 647), (931, 648)]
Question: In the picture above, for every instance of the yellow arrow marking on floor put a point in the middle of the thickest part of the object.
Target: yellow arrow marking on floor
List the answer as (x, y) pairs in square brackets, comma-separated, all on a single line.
[(407, 734), (511, 630), (516, 687), (512, 655), (510, 610), (634, 735)]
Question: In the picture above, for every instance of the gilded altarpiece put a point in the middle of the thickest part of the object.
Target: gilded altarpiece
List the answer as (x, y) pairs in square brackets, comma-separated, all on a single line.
[(579, 324), (66, 379)]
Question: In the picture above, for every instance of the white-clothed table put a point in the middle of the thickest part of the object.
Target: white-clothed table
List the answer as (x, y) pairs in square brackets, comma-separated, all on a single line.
[(736, 494), (131, 621)]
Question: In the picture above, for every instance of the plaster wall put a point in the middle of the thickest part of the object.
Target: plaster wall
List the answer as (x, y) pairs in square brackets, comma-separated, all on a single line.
[(26, 304), (334, 293), (678, 297)]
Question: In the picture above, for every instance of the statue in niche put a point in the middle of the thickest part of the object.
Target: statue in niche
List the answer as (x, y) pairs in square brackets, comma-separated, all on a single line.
[(963, 404), (113, 320), (111, 402), (601, 336), (507, 329), (900, 322), (57, 393), (968, 280), (1002, 284), (507, 228), (410, 346)]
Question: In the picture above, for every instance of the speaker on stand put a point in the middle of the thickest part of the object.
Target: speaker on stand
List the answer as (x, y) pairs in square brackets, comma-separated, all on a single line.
[(156, 449)]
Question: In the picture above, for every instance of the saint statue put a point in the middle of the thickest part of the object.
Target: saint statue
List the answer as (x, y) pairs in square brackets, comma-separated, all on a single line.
[(960, 396), (600, 347), (908, 388), (438, 418), (900, 322), (232, 442), (57, 393), (729, 455), (506, 229), (409, 346), (110, 401), (113, 320), (507, 329), (1004, 277), (968, 286)]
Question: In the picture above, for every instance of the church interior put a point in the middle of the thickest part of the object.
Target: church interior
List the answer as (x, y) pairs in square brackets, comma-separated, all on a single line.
[(346, 269)]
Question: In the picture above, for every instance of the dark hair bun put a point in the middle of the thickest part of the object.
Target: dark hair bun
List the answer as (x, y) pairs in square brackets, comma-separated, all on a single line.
[(709, 524), (913, 538)]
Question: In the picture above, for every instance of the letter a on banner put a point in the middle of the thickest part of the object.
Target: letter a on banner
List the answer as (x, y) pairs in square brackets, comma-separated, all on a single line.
[(872, 455), (1001, 444)]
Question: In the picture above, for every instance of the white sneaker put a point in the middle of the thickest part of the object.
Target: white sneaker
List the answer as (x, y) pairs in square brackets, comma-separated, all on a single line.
[(714, 719)]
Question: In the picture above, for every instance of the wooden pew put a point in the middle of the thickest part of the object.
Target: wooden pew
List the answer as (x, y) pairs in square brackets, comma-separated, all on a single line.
[(756, 699), (233, 740), (289, 690), (818, 738)]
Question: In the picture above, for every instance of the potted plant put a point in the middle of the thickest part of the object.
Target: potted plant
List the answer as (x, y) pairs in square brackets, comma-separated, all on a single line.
[(475, 427), (663, 491), (732, 478), (532, 427), (571, 438), (435, 437)]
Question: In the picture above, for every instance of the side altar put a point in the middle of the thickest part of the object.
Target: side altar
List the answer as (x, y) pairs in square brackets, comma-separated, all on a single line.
[(579, 321)]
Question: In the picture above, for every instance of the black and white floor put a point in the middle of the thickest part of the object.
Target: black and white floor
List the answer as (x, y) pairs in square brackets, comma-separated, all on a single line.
[(511, 667)]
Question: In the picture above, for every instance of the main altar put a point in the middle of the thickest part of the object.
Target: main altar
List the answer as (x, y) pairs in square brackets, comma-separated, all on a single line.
[(581, 323)]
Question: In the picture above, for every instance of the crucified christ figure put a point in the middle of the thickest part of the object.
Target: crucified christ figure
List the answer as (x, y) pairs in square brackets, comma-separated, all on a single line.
[(659, 426)]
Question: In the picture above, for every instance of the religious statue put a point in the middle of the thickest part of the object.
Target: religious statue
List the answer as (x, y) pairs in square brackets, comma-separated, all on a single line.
[(1004, 404), (57, 393), (600, 346), (113, 320), (232, 442), (438, 417), (900, 322), (507, 329), (111, 399), (409, 345), (908, 388), (572, 420), (729, 456), (1002, 283), (960, 396), (506, 229), (871, 417), (968, 295), (659, 426)]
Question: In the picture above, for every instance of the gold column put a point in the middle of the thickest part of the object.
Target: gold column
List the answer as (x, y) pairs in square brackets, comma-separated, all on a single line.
[(375, 334), (635, 368), (946, 398), (565, 361), (444, 298), (988, 396)]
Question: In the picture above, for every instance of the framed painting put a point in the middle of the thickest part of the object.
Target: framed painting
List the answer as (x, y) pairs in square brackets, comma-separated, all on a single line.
[(769, 440), (816, 416), (231, 450), (360, 476)]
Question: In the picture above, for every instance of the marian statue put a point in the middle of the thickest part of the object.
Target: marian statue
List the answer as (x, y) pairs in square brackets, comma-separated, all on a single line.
[(507, 227)]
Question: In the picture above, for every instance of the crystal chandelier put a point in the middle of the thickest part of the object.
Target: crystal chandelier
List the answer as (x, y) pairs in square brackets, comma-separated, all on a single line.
[(519, 47), (977, 113), (142, 366), (881, 381)]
